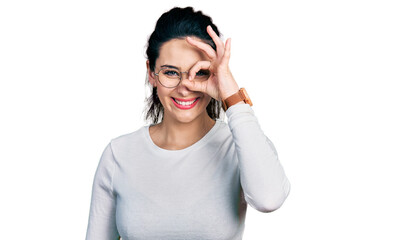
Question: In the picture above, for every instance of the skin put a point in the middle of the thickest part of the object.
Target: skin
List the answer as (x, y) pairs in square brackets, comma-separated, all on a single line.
[(181, 128)]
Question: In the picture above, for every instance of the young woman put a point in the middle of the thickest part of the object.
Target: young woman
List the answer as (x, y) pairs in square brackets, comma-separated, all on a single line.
[(188, 175)]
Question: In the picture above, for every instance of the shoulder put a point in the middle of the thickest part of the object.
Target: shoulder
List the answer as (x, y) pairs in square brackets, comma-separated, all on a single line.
[(223, 128), (129, 142), (129, 137), (222, 132)]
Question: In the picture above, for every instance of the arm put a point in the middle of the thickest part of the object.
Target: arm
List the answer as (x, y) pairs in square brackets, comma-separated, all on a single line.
[(262, 177), (101, 222)]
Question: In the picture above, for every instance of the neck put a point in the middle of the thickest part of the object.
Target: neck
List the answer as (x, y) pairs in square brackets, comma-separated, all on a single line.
[(174, 135)]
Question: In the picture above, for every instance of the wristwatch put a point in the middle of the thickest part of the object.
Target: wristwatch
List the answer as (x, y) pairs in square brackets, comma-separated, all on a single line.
[(241, 95)]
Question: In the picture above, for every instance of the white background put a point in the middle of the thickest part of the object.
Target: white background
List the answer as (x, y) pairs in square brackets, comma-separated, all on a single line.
[(325, 77)]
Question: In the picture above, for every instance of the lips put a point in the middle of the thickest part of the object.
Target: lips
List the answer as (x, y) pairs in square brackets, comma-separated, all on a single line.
[(185, 103)]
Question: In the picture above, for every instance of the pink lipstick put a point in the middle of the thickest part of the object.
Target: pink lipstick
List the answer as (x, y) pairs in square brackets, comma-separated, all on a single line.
[(185, 104)]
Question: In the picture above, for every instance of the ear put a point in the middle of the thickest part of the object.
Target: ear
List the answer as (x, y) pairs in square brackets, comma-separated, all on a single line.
[(151, 76)]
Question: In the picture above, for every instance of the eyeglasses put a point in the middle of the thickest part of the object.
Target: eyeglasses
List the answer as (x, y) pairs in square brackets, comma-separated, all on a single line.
[(171, 77)]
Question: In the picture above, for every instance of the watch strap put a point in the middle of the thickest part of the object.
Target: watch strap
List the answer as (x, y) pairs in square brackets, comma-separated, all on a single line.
[(241, 95)]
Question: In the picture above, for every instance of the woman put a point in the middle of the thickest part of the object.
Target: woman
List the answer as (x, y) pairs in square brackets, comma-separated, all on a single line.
[(189, 175)]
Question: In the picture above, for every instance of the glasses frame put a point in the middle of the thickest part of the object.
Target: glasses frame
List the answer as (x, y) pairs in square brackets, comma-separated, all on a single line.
[(181, 76)]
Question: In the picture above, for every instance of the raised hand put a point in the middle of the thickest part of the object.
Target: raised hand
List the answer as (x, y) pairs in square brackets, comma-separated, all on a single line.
[(221, 83)]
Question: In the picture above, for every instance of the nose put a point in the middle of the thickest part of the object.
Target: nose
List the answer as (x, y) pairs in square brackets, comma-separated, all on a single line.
[(185, 73), (181, 88)]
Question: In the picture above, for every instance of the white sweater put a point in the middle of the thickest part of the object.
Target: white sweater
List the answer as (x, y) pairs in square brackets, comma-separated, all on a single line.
[(141, 191)]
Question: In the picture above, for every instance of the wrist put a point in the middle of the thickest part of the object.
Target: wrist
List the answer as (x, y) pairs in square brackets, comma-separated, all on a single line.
[(239, 97), (240, 102), (229, 91)]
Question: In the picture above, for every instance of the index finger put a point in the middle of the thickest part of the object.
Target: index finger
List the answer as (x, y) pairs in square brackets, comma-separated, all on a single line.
[(203, 46), (218, 42)]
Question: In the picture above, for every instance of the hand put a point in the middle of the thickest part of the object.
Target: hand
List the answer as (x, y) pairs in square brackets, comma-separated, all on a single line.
[(221, 83)]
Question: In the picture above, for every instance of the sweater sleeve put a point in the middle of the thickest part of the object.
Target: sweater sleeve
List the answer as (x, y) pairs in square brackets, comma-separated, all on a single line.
[(262, 177), (101, 222)]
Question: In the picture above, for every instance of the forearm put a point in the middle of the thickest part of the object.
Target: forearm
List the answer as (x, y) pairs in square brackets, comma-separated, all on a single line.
[(262, 177)]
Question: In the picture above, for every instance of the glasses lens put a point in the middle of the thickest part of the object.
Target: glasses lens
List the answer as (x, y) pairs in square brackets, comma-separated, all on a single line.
[(169, 77)]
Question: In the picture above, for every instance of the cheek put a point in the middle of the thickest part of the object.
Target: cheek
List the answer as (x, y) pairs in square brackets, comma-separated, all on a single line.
[(162, 94), (207, 100)]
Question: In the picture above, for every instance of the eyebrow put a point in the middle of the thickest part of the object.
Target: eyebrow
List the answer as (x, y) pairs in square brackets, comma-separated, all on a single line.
[(169, 66)]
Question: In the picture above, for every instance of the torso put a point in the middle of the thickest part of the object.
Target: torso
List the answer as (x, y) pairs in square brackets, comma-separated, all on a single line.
[(193, 193)]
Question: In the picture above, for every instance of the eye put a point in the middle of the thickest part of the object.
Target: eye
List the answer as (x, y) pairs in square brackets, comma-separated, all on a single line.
[(203, 73), (170, 73)]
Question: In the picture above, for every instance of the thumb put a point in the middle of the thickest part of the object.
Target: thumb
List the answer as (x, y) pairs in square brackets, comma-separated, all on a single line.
[(195, 86)]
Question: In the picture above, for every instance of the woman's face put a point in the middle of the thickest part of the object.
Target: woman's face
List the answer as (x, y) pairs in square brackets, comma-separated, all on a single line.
[(180, 103)]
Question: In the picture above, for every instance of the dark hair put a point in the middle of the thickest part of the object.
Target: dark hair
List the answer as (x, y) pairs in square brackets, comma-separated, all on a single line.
[(177, 24)]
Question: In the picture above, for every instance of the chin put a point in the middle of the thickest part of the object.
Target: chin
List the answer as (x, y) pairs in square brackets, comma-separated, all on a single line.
[(188, 117)]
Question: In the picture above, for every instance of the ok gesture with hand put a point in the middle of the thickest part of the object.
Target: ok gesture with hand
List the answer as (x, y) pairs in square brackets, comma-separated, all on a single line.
[(221, 83)]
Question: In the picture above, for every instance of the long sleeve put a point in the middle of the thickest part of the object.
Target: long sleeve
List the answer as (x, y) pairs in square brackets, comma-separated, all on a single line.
[(101, 222), (262, 177)]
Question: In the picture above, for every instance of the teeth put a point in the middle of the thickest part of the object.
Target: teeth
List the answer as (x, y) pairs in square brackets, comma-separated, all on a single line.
[(185, 103)]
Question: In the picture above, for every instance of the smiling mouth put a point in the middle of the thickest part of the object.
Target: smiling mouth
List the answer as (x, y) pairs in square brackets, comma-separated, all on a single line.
[(185, 102)]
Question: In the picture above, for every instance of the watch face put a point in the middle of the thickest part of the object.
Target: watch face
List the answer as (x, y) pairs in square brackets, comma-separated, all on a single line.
[(246, 97)]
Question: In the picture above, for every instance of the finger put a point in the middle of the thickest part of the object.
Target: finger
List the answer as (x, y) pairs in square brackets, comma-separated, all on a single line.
[(203, 46), (199, 65), (195, 86), (227, 54), (218, 42)]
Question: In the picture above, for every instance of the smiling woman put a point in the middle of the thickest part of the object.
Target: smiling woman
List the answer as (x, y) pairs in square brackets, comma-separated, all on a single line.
[(174, 95), (188, 175)]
